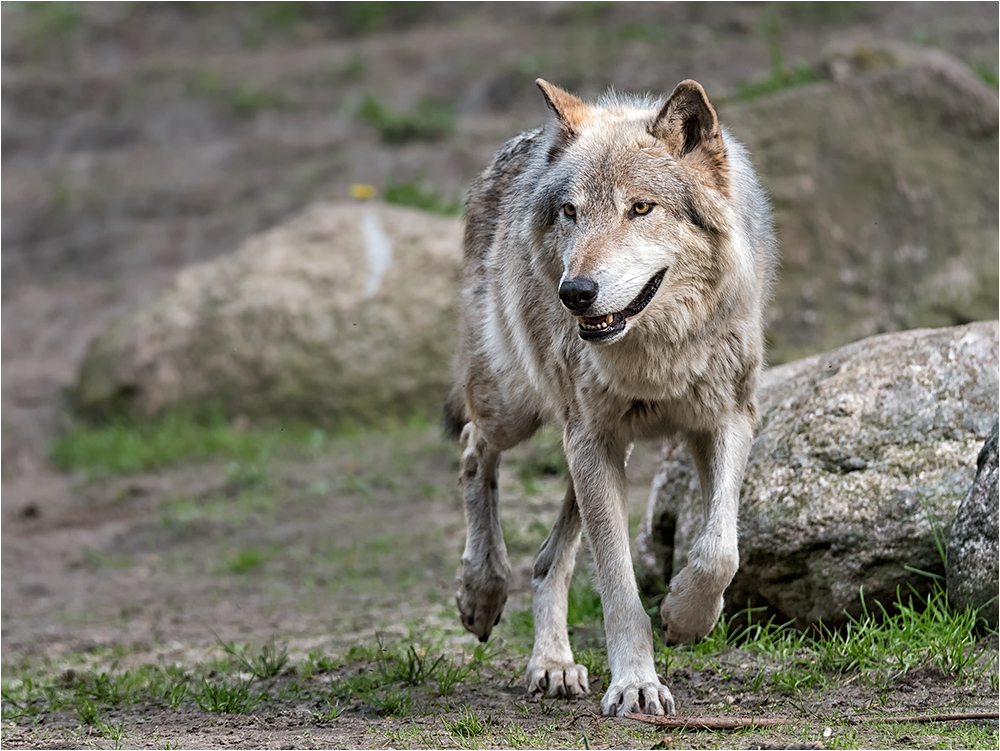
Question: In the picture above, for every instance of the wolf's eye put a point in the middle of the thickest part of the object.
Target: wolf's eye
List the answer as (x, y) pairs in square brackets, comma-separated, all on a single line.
[(642, 207), (569, 210)]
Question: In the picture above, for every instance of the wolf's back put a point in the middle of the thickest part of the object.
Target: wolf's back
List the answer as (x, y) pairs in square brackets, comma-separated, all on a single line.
[(489, 191)]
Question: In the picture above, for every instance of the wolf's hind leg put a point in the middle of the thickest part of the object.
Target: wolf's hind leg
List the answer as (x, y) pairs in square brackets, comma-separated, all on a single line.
[(485, 570), (551, 665), (694, 598)]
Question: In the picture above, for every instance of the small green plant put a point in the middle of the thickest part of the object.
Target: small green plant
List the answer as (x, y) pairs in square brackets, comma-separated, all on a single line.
[(331, 712), (262, 663), (390, 701), (430, 120), (246, 560), (112, 731), (466, 725), (317, 663), (449, 674), (222, 698)]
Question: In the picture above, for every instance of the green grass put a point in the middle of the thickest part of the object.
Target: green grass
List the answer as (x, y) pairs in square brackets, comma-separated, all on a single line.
[(262, 662), (245, 98), (430, 120), (223, 698), (987, 72), (466, 725), (408, 679), (129, 446), (415, 195), (800, 75)]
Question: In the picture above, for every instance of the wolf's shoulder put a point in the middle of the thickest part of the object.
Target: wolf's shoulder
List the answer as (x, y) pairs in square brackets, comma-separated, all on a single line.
[(511, 158), (490, 189)]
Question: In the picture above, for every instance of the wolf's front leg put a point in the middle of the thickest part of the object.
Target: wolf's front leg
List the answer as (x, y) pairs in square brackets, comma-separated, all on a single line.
[(552, 666), (485, 570), (598, 471), (694, 598)]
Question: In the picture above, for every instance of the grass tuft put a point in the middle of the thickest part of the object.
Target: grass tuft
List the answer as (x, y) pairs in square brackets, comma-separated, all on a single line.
[(223, 698), (466, 725), (262, 663)]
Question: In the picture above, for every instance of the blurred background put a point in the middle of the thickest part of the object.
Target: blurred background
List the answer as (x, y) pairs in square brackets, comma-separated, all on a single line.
[(142, 138)]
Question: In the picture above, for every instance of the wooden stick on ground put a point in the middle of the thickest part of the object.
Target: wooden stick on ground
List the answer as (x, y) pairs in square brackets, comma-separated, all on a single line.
[(744, 723)]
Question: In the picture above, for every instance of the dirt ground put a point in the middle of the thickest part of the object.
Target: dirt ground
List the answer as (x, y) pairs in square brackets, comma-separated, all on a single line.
[(138, 138)]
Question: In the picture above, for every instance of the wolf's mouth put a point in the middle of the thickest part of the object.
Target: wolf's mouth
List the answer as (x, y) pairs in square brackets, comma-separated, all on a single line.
[(596, 328)]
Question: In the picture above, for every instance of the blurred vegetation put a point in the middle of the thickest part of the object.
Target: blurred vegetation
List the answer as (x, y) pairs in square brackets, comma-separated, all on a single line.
[(430, 120), (123, 446), (414, 194)]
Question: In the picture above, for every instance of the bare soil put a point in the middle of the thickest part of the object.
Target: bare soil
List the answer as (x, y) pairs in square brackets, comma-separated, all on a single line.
[(138, 138)]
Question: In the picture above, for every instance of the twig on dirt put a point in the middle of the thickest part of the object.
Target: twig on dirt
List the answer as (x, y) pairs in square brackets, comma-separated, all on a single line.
[(743, 723)]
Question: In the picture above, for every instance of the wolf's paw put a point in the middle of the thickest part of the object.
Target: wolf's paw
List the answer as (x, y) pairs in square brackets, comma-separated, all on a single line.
[(642, 698), (687, 612), (567, 681), (481, 598)]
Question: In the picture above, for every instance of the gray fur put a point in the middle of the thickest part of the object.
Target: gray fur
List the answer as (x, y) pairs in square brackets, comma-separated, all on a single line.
[(564, 202)]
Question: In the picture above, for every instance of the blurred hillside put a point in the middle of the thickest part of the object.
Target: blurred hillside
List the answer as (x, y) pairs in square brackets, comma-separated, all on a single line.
[(138, 138)]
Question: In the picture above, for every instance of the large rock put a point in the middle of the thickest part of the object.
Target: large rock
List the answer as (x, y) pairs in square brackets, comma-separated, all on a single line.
[(973, 568), (884, 181), (346, 313), (861, 459)]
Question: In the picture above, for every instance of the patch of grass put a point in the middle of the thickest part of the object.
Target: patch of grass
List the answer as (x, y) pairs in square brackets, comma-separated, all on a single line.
[(883, 646), (415, 195), (261, 662), (49, 24), (222, 698), (129, 446), (317, 663), (987, 72), (430, 120), (246, 560), (449, 675), (800, 75), (245, 98), (781, 77), (584, 604), (331, 711), (466, 725), (390, 701)]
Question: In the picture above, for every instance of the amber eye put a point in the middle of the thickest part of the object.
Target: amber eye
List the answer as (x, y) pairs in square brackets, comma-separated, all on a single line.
[(642, 207), (569, 210)]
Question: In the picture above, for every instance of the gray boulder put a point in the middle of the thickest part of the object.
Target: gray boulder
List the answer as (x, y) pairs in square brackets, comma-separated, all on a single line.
[(973, 569), (861, 459), (347, 313), (885, 182)]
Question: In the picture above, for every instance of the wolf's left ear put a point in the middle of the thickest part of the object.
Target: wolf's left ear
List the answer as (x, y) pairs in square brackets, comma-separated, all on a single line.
[(687, 125)]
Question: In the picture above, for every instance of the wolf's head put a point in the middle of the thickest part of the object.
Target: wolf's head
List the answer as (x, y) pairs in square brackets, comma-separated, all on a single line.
[(636, 197)]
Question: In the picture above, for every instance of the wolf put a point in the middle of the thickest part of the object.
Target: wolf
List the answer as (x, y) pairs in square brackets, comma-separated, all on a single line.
[(617, 263)]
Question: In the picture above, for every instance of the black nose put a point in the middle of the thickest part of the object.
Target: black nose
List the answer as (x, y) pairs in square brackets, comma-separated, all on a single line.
[(578, 294)]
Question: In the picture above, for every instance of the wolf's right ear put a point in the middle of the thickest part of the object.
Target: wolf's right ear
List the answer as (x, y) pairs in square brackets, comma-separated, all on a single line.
[(570, 111)]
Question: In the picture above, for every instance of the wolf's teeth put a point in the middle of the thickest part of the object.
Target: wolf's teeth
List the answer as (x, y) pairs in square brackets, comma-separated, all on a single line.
[(608, 320)]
